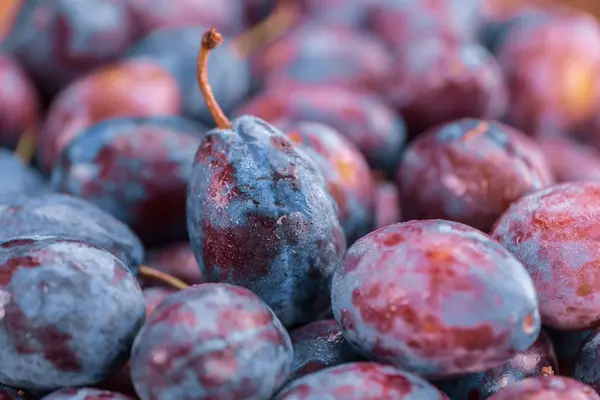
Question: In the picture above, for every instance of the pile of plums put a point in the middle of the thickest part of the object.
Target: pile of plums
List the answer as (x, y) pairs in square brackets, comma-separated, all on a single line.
[(299, 200)]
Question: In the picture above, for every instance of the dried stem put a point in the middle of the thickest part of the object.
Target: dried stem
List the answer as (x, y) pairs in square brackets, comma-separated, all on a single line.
[(170, 280), (26, 147)]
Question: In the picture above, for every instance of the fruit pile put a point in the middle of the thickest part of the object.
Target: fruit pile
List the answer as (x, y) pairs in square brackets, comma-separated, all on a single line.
[(299, 200)]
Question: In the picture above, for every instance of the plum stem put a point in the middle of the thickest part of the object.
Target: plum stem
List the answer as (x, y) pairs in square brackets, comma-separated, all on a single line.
[(26, 147), (170, 280), (211, 40), (278, 22)]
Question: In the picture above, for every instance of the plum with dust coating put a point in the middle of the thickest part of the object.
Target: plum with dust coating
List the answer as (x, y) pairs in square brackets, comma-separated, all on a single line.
[(19, 178), (360, 381), (440, 79), (64, 215), (570, 160), (135, 169), (71, 312), (85, 394), (552, 67), (538, 360), (175, 50), (363, 118), (175, 259), (123, 89), (554, 233), (316, 54), (320, 345), (211, 341), (259, 214), (469, 171), (60, 40), (19, 102), (418, 295), (587, 362), (547, 388), (346, 173)]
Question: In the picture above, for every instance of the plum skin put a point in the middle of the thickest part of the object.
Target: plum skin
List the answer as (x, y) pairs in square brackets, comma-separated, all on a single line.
[(547, 387), (210, 341), (400, 295), (252, 202), (553, 232), (52, 289), (85, 394)]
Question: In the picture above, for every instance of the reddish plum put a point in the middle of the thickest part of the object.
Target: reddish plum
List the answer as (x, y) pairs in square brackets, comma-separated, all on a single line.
[(538, 360), (346, 173), (434, 297), (136, 169), (155, 296), (440, 79), (387, 204), (320, 345), (259, 213), (19, 103), (211, 341), (360, 381), (60, 40), (554, 232), (362, 118), (552, 68), (547, 388), (469, 171), (175, 259), (570, 160), (123, 89), (70, 313)]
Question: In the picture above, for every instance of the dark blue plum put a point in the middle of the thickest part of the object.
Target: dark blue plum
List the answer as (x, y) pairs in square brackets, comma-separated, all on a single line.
[(211, 341), (360, 381), (85, 394), (18, 178), (7, 393), (319, 345), (538, 360), (64, 215), (70, 312), (135, 169), (567, 345), (587, 363), (176, 51), (435, 297)]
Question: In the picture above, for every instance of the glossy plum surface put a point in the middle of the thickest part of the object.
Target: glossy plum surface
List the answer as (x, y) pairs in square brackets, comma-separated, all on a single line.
[(401, 296), (553, 233), (252, 204), (211, 341)]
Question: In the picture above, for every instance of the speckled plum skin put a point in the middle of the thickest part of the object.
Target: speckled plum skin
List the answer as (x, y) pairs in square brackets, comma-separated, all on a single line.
[(85, 394), (211, 341), (364, 119), (547, 388), (60, 40), (387, 204), (19, 102), (587, 364), (440, 79), (320, 345), (19, 178), (133, 88), (253, 202), (360, 381), (553, 233), (317, 53), (469, 171), (155, 296), (52, 334), (538, 360), (346, 173), (176, 259), (551, 67), (418, 295), (570, 160), (224, 15), (176, 50), (567, 345), (135, 169), (64, 215)]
